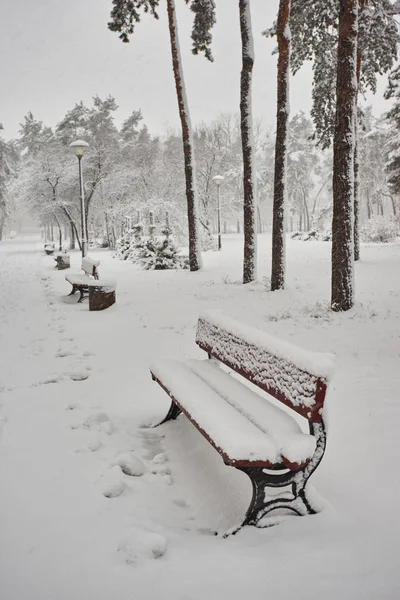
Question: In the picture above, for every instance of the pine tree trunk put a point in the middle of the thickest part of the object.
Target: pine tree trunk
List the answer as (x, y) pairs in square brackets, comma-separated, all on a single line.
[(246, 128), (357, 165), (59, 233), (72, 242), (282, 117), (187, 138), (342, 297), (2, 223)]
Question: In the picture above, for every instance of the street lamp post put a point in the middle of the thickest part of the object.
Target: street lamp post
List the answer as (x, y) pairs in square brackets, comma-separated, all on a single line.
[(79, 148), (218, 180)]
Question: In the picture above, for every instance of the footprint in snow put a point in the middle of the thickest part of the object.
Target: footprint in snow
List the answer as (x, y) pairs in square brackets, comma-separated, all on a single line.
[(131, 465), (50, 379), (113, 483), (94, 445), (141, 544), (72, 406), (79, 375), (160, 458), (101, 421), (63, 353)]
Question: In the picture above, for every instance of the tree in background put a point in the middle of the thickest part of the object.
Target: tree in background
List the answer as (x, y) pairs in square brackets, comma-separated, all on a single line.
[(9, 157), (393, 118), (125, 15), (314, 26), (282, 118), (246, 127), (303, 167), (342, 284)]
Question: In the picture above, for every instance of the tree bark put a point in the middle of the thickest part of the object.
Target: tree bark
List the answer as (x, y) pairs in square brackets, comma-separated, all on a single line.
[(187, 138), (246, 128), (59, 233), (282, 118), (342, 293), (2, 223)]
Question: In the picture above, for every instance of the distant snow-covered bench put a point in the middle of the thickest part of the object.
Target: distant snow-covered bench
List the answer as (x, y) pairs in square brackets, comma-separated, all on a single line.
[(81, 281), (249, 431)]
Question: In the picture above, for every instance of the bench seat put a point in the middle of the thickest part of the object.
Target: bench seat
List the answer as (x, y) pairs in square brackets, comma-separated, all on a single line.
[(294, 447), (78, 279), (232, 417)]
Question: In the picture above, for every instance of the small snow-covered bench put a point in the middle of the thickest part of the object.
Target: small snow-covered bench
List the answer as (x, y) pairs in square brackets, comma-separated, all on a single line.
[(81, 281), (63, 260), (250, 432), (49, 248)]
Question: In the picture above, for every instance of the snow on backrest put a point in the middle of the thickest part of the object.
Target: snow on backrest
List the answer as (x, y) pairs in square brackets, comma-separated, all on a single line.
[(89, 265), (294, 376)]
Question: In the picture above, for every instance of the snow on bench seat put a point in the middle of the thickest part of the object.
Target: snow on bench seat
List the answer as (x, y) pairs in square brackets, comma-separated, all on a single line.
[(78, 278), (291, 374), (293, 446), (239, 441)]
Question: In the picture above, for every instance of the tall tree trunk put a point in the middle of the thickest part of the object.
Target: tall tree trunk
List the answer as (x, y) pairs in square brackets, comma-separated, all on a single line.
[(187, 138), (59, 233), (282, 117), (246, 128), (2, 223), (369, 205), (72, 241), (362, 6), (394, 208), (342, 293)]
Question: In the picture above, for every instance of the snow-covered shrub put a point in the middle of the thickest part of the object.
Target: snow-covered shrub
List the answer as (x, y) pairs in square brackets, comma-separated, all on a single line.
[(123, 245), (379, 230), (326, 235), (130, 243), (160, 253), (313, 234)]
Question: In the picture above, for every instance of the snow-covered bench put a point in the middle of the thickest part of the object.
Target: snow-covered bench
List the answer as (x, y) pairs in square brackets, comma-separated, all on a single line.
[(249, 431), (63, 260), (80, 281), (49, 248)]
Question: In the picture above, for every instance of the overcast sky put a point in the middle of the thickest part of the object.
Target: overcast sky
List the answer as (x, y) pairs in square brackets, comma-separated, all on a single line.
[(55, 53)]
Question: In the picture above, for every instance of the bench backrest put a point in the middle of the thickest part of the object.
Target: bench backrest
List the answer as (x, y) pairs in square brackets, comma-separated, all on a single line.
[(90, 266), (294, 376)]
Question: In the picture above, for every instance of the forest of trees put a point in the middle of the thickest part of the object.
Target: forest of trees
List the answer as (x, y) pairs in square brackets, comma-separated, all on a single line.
[(333, 171)]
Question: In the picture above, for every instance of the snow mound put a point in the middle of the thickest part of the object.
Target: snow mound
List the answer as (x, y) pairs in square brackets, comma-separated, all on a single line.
[(141, 544), (113, 483), (131, 465)]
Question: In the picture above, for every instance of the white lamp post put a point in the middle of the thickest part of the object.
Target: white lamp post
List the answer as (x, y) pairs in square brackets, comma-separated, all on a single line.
[(79, 148), (218, 180)]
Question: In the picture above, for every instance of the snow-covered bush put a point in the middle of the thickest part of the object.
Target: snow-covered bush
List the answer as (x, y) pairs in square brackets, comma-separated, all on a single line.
[(313, 234), (161, 253), (123, 245), (379, 230), (130, 243)]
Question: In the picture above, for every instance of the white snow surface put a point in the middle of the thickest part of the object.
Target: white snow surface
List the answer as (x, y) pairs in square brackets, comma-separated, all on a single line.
[(75, 392)]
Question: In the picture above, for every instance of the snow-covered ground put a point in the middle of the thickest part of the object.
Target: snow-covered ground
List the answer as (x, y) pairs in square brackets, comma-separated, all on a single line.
[(75, 389)]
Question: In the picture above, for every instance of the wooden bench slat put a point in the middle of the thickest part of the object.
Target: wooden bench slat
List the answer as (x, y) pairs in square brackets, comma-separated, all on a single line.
[(294, 446), (247, 351), (239, 441)]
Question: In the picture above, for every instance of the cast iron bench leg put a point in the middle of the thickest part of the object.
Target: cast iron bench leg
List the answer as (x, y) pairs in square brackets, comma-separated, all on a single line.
[(173, 413), (74, 289), (81, 297), (262, 480)]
